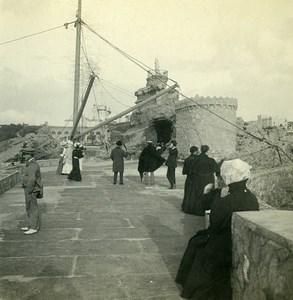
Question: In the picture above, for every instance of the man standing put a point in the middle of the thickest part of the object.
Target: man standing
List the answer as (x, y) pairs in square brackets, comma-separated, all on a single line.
[(117, 155), (171, 163), (32, 187)]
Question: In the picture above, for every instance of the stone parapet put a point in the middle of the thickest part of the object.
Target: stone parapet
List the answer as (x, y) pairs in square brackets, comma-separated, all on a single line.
[(262, 255), (8, 179), (207, 102)]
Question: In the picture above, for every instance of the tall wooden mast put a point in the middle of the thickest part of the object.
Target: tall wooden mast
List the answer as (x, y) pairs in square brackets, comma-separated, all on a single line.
[(77, 64)]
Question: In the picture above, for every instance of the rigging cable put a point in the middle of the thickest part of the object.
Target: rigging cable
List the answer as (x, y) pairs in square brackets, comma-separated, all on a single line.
[(110, 93), (89, 65), (37, 33), (133, 59), (142, 65)]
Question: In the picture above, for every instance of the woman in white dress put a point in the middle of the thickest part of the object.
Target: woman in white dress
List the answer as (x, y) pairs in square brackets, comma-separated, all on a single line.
[(67, 158)]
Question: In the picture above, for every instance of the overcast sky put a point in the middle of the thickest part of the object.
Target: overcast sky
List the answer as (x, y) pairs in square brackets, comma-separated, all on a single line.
[(229, 48)]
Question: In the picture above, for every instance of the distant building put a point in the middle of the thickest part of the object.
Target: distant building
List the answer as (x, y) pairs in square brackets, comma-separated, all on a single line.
[(289, 127), (264, 121), (100, 114)]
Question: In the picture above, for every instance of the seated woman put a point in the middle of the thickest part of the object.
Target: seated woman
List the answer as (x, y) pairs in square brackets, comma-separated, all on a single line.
[(204, 272)]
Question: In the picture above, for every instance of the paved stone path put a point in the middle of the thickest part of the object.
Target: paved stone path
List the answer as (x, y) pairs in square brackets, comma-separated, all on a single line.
[(97, 240)]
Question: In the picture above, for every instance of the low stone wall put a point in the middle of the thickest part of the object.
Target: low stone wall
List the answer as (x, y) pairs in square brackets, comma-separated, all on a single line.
[(48, 162), (8, 179), (262, 255)]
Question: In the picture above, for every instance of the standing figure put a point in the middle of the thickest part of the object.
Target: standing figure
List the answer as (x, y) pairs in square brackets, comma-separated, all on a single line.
[(82, 148), (203, 170), (32, 186), (76, 156), (204, 271), (171, 163), (188, 203), (149, 161), (67, 158), (60, 163), (117, 155)]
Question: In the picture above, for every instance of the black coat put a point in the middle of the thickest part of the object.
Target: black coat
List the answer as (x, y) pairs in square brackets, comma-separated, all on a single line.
[(205, 266), (172, 158), (190, 203), (117, 155), (150, 159), (187, 165)]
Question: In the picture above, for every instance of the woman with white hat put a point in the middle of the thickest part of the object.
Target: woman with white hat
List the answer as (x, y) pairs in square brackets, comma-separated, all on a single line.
[(204, 272)]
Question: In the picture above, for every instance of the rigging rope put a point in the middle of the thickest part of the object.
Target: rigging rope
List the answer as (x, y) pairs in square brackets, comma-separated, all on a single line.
[(37, 33), (143, 66)]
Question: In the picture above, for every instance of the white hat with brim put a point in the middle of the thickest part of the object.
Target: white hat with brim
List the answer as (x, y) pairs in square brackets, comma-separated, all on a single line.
[(235, 170)]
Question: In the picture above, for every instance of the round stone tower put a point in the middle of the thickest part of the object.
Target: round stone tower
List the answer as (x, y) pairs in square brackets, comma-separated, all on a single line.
[(197, 125)]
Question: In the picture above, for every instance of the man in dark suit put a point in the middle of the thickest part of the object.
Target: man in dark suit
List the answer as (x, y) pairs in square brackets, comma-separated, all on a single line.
[(117, 155), (171, 163)]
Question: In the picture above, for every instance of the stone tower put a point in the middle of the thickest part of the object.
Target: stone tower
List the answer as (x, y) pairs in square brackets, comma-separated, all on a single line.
[(155, 120), (195, 125)]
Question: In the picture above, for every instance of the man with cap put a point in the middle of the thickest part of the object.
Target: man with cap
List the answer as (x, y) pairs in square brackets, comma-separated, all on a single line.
[(32, 186), (117, 156)]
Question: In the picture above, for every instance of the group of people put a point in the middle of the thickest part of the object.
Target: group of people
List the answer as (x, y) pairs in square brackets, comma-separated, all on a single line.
[(200, 170), (70, 162), (150, 160), (204, 271)]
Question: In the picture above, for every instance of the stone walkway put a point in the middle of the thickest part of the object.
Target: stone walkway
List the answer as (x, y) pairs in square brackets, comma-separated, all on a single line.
[(97, 240)]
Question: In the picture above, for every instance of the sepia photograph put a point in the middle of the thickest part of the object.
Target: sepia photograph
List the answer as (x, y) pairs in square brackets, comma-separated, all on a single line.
[(146, 150)]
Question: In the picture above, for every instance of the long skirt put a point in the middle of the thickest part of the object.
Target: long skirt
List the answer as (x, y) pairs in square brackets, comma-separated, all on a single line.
[(201, 277), (75, 173), (191, 203), (60, 166)]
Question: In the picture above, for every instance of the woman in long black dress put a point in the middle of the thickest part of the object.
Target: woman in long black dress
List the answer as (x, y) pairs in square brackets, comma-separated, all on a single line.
[(204, 271), (76, 156), (188, 203)]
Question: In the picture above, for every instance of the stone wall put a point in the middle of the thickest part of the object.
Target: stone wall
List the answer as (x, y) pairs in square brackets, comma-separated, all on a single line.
[(274, 186), (8, 179), (195, 125), (262, 255)]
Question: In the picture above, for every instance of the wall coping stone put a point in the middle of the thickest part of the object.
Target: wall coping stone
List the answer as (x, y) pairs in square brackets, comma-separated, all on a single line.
[(276, 225)]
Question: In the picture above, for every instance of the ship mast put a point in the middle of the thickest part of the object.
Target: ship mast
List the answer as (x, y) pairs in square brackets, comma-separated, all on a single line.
[(77, 64)]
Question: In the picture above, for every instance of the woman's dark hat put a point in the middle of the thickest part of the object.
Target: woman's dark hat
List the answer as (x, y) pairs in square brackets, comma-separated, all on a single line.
[(204, 148), (193, 149)]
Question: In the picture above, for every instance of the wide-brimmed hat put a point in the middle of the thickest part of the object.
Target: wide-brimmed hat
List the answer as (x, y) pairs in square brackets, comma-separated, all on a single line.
[(235, 170), (119, 143)]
